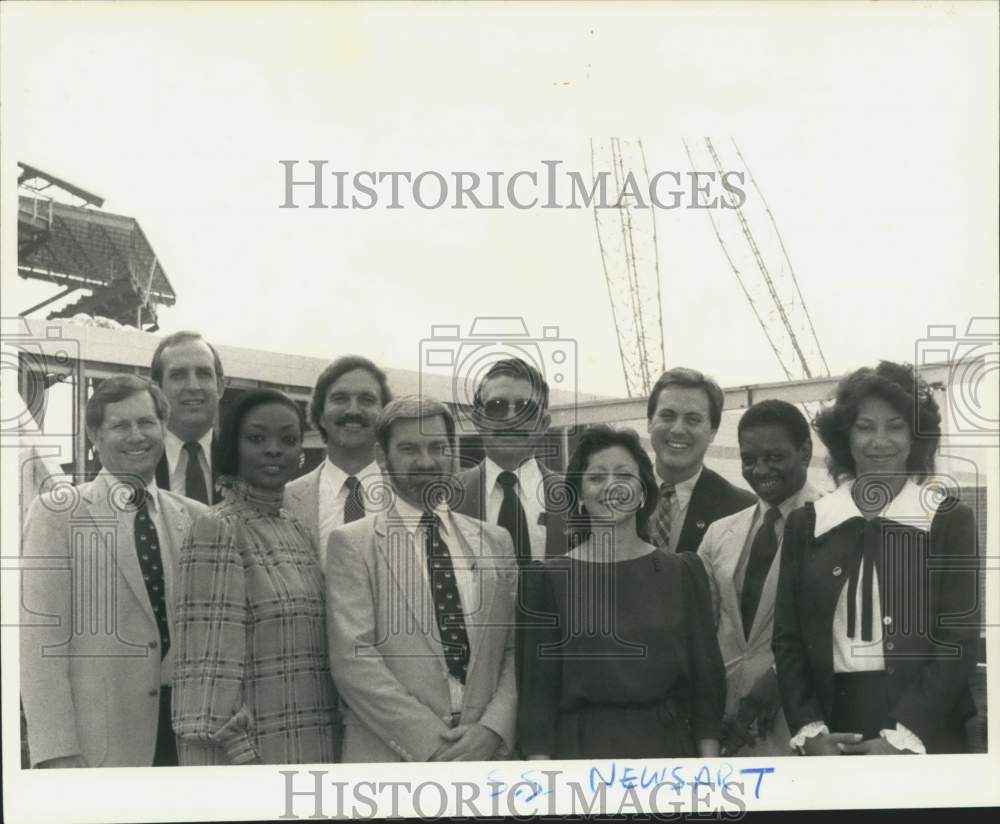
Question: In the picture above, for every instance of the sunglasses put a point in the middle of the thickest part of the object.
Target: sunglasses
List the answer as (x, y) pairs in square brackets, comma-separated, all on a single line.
[(499, 409)]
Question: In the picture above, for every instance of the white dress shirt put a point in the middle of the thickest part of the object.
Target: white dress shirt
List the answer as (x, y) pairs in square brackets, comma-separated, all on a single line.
[(465, 567), (682, 497), (333, 495), (531, 493), (177, 461)]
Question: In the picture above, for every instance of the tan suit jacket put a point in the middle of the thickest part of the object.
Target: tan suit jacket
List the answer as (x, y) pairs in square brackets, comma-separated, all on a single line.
[(302, 500), (385, 647), (90, 657), (746, 657)]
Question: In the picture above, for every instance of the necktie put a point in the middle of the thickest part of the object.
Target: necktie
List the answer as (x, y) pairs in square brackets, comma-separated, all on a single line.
[(513, 519), (147, 549), (194, 477), (872, 544), (762, 552), (447, 602), (661, 522), (354, 506)]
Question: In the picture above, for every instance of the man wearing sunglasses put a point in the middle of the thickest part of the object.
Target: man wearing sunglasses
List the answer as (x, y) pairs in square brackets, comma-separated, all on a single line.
[(510, 487)]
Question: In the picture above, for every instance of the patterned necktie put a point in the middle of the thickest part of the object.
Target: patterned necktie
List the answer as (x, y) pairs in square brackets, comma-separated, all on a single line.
[(513, 519), (147, 550), (447, 602), (662, 520), (354, 506), (762, 552), (194, 477)]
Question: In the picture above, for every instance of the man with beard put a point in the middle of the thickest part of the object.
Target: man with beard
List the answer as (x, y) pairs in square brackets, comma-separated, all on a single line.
[(420, 602), (684, 411), (189, 371), (510, 487), (741, 554), (346, 402)]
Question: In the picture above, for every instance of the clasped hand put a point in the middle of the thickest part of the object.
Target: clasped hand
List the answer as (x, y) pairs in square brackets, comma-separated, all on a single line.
[(467, 742)]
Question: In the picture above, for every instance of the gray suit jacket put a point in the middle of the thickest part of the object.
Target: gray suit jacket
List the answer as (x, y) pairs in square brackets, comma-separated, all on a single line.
[(385, 648), (302, 500), (90, 658), (746, 657)]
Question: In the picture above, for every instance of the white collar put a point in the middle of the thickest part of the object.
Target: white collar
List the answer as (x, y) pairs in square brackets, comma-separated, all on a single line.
[(913, 506), (528, 473), (172, 446), (338, 476), (411, 515), (111, 480), (685, 489)]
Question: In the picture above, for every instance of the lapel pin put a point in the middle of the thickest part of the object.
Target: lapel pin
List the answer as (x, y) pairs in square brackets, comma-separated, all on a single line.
[(700, 524), (837, 571)]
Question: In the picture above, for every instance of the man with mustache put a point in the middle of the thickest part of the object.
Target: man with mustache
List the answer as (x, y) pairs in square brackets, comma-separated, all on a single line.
[(189, 371), (741, 554), (684, 411), (420, 603), (346, 402)]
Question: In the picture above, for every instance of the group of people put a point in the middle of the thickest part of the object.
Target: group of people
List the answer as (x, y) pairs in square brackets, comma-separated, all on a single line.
[(203, 602)]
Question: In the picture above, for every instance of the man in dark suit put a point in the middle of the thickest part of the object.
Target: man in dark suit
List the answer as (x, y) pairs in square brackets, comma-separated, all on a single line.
[(189, 371), (683, 412), (510, 486)]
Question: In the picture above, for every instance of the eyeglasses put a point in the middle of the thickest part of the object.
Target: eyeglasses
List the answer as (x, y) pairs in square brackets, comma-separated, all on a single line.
[(498, 409)]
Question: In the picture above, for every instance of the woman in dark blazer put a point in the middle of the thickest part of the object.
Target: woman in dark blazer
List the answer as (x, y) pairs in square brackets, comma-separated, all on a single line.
[(876, 622)]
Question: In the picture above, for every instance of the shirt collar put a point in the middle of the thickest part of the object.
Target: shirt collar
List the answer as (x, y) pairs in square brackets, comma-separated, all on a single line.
[(337, 476), (411, 515), (685, 489), (172, 446), (528, 473), (806, 493), (109, 479), (912, 507)]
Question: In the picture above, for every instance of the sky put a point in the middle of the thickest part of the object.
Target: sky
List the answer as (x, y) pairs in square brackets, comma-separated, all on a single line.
[(870, 128)]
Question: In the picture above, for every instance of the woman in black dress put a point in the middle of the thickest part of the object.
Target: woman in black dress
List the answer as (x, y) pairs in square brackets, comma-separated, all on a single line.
[(876, 621), (621, 654)]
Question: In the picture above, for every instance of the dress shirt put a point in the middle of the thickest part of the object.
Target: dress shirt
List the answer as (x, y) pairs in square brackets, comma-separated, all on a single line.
[(333, 495), (682, 497), (464, 565), (806, 493), (531, 493), (853, 654), (177, 461)]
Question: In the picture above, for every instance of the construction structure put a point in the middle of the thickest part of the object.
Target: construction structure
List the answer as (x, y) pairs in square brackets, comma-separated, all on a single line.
[(64, 238)]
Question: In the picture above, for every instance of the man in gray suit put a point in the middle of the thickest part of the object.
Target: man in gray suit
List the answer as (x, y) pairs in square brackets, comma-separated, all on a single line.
[(99, 569), (420, 609), (345, 405)]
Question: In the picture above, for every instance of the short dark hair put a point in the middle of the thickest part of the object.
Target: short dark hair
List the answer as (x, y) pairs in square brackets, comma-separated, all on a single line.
[(156, 367), (899, 386), (515, 368), (682, 376), (775, 412), (118, 388), (594, 439), (229, 434), (334, 372), (411, 407)]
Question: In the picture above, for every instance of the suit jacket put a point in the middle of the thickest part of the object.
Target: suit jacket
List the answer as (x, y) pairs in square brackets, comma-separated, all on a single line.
[(90, 658), (713, 498), (746, 657), (930, 615), (302, 500), (473, 503), (163, 472), (385, 648)]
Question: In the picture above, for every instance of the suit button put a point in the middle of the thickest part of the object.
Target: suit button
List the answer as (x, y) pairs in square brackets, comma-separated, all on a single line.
[(153, 693), (890, 671), (887, 620), (890, 646), (153, 644)]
